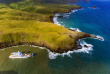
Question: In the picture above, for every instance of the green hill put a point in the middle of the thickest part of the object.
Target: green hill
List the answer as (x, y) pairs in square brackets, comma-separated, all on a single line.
[(30, 23)]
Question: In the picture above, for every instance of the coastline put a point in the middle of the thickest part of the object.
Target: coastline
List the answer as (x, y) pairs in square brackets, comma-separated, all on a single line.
[(59, 50), (81, 42), (93, 57), (55, 14)]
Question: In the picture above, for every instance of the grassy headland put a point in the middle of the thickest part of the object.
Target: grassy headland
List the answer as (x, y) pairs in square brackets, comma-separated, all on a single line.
[(29, 23)]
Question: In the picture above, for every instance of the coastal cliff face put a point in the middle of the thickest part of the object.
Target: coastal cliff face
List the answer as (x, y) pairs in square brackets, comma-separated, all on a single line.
[(24, 23), (49, 35)]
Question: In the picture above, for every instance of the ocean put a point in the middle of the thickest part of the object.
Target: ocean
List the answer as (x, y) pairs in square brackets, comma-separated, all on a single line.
[(95, 60), (94, 21)]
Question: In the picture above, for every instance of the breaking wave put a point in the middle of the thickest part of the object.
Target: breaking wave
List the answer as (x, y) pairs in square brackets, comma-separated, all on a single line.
[(75, 29), (55, 19), (82, 42), (84, 50), (99, 37)]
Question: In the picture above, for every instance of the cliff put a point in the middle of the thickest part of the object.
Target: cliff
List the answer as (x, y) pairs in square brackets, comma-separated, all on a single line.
[(24, 23)]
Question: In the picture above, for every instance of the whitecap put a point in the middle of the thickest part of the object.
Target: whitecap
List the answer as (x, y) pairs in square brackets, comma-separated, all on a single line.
[(55, 19), (83, 50), (53, 55), (74, 11), (82, 42), (99, 37), (75, 29)]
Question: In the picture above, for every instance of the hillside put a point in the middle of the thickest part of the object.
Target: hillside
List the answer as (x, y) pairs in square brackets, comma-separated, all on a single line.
[(27, 23)]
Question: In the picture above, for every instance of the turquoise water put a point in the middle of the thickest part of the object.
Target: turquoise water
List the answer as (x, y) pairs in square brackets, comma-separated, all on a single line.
[(97, 61), (95, 21)]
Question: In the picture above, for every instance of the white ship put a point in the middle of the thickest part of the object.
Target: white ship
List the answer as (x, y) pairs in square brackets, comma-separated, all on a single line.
[(20, 55)]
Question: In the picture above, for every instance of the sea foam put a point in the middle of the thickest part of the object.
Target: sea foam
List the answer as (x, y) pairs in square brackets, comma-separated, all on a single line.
[(99, 37), (53, 55), (55, 19), (82, 42), (76, 29), (83, 50)]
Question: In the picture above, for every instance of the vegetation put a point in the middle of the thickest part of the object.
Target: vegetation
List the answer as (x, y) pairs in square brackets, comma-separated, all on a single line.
[(3, 6), (41, 33), (43, 11), (27, 22)]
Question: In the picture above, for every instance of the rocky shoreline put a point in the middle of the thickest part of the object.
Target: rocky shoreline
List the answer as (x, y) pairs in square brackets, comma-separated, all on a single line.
[(59, 50), (60, 16), (71, 34), (78, 46)]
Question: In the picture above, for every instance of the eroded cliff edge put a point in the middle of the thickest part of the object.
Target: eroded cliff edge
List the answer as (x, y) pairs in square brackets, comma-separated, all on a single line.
[(32, 25)]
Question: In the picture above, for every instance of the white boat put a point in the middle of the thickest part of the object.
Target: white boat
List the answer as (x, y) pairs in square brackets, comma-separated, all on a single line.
[(20, 55)]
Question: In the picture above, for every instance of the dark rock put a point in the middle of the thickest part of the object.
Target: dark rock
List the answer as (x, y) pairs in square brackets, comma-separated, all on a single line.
[(98, 38), (79, 47), (93, 7), (60, 16), (86, 46), (73, 29)]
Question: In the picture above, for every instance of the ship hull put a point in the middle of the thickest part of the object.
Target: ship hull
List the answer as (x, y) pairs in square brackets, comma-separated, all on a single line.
[(19, 57)]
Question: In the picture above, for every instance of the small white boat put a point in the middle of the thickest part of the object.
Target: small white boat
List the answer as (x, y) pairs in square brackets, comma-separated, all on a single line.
[(20, 55)]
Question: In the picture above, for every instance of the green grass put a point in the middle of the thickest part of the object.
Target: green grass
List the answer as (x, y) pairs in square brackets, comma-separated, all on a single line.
[(42, 8), (42, 33), (28, 23), (12, 14), (44, 11), (3, 6)]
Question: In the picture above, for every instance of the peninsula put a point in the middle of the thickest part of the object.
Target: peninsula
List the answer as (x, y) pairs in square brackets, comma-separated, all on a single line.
[(30, 22)]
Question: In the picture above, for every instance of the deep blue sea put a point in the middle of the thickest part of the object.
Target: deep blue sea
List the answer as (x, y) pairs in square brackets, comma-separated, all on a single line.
[(95, 60), (94, 21)]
